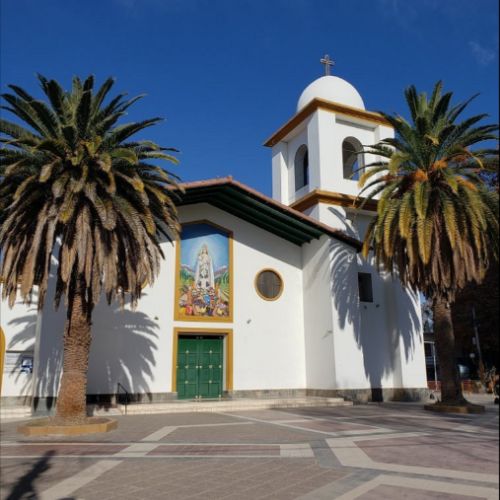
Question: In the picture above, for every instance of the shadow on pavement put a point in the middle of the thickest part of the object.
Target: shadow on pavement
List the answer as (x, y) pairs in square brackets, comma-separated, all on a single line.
[(25, 486)]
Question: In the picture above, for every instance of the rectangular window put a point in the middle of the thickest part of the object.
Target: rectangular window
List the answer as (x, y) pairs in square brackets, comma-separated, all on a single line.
[(365, 287)]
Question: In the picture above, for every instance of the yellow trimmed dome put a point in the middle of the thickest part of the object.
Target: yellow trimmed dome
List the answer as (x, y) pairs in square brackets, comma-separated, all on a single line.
[(331, 88)]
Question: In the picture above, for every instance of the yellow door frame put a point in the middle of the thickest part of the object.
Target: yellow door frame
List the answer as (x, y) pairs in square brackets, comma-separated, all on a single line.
[(228, 335)]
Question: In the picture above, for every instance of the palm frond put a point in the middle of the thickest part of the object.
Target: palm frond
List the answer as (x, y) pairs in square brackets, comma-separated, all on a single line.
[(70, 174), (437, 222)]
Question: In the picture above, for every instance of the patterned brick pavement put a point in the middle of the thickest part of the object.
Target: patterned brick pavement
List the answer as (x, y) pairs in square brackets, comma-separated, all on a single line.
[(387, 451)]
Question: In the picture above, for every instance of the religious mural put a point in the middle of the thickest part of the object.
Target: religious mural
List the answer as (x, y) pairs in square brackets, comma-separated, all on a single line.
[(204, 274)]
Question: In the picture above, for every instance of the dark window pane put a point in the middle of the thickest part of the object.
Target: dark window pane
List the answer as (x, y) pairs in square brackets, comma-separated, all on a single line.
[(301, 167), (305, 164), (351, 160), (365, 287)]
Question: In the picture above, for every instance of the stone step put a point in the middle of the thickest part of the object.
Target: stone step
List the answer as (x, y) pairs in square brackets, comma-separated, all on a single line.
[(226, 405), (105, 411)]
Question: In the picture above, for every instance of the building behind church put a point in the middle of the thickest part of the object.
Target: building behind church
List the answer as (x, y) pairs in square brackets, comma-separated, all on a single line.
[(261, 296)]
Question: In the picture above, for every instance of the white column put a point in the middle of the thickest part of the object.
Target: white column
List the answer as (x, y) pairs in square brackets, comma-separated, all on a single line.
[(314, 150), (280, 172)]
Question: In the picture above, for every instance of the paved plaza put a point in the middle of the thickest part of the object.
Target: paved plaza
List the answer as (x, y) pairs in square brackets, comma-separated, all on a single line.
[(375, 451)]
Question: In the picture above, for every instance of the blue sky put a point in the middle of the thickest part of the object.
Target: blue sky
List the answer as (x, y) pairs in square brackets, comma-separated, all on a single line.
[(226, 74)]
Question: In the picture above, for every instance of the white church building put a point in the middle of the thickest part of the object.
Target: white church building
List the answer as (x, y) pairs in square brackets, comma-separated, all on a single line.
[(260, 296)]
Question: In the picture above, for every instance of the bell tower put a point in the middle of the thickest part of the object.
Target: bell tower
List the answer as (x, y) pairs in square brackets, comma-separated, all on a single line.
[(316, 154)]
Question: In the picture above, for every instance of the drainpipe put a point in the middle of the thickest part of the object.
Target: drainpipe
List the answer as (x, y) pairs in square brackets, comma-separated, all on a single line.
[(36, 359)]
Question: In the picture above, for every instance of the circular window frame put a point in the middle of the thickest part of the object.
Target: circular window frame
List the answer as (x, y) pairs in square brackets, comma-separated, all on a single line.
[(282, 288)]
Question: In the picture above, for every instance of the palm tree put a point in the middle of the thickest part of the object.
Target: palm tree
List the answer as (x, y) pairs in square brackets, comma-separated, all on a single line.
[(436, 225), (74, 186)]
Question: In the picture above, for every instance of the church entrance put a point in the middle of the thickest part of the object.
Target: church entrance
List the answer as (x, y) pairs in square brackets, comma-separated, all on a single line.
[(200, 366)]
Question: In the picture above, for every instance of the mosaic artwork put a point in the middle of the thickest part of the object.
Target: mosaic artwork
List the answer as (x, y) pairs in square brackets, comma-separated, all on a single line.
[(204, 281)]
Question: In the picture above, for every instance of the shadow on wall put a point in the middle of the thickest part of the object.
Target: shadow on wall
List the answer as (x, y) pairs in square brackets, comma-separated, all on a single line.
[(381, 351), (25, 337), (406, 322), (122, 350), (344, 289)]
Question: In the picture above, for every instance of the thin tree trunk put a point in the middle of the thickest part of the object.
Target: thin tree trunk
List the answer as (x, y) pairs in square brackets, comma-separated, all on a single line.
[(71, 402), (451, 389)]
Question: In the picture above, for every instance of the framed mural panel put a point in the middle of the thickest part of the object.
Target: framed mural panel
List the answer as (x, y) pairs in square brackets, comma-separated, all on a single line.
[(204, 273)]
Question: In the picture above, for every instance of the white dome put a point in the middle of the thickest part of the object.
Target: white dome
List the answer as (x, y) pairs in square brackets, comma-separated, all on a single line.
[(331, 88)]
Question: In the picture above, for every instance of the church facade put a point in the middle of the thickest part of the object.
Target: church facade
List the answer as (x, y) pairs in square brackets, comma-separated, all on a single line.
[(260, 296)]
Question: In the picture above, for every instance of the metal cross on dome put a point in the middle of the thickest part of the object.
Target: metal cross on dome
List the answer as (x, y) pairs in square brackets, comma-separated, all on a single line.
[(328, 63)]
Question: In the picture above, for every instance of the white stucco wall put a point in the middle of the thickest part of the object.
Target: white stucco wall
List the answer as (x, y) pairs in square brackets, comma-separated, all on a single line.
[(268, 335), (407, 332), (19, 326), (349, 350), (334, 358), (316, 335), (280, 172), (135, 347), (374, 344), (318, 319)]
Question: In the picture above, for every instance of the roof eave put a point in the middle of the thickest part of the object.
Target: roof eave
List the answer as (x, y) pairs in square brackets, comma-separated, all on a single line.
[(259, 209), (318, 103)]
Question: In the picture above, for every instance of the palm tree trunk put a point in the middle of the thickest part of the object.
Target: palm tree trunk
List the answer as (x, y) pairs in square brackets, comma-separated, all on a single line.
[(451, 389), (71, 402)]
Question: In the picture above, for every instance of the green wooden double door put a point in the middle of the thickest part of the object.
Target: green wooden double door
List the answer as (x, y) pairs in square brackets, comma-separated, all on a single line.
[(200, 363)]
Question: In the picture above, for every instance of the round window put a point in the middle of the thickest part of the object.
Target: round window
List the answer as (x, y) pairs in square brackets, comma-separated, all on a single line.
[(269, 284)]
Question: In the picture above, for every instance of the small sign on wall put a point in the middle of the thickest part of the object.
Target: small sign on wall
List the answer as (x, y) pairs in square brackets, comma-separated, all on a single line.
[(18, 361)]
